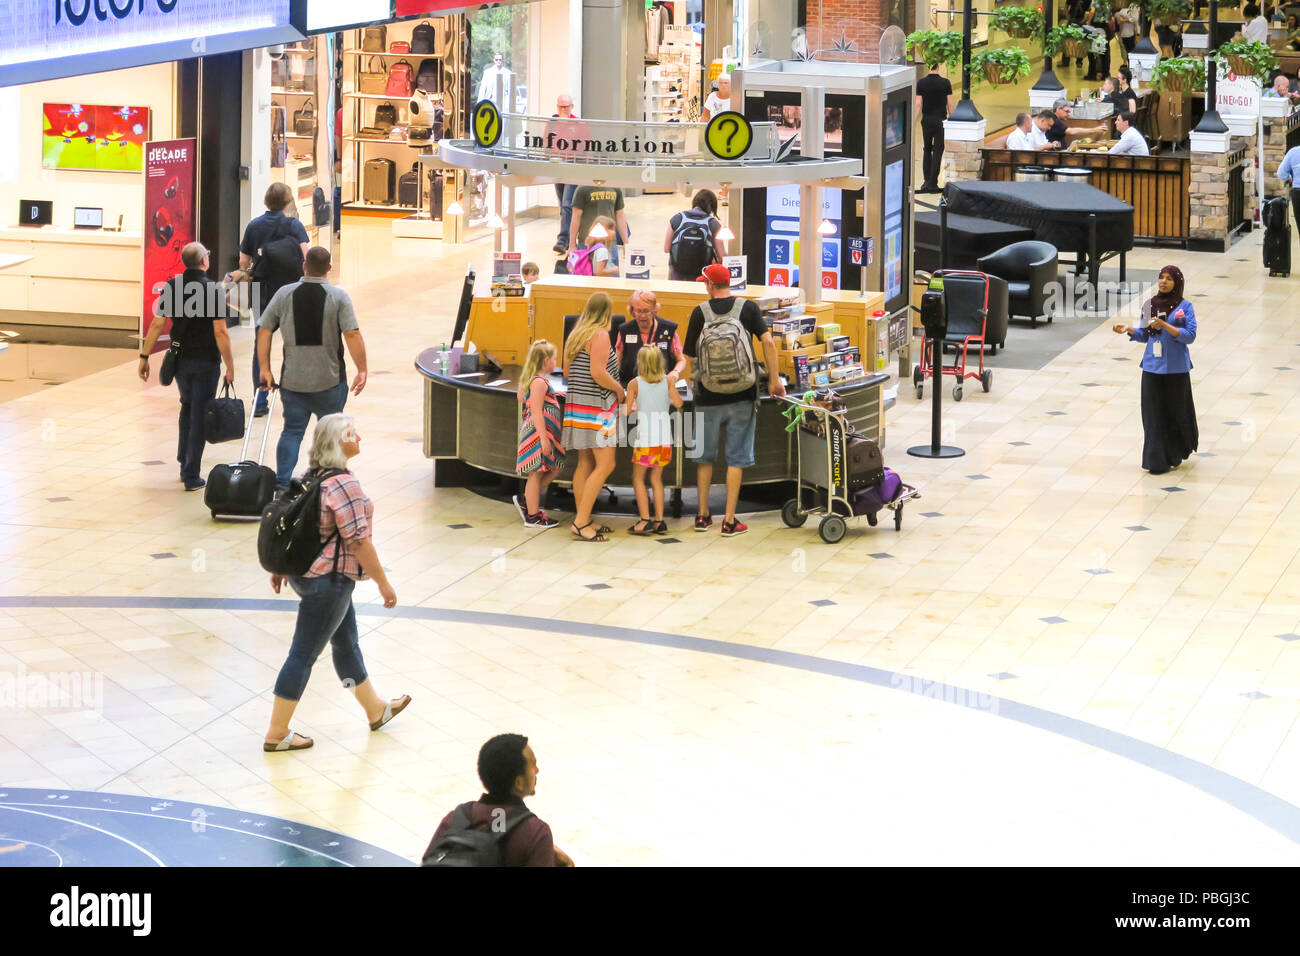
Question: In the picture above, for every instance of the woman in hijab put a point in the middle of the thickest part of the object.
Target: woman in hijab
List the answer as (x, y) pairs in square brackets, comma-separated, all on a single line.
[(1168, 414)]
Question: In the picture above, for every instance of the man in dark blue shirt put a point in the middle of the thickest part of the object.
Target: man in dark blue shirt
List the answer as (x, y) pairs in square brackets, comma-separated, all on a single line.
[(267, 280)]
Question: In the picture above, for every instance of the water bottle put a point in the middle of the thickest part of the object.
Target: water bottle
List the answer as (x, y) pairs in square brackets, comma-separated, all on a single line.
[(442, 358)]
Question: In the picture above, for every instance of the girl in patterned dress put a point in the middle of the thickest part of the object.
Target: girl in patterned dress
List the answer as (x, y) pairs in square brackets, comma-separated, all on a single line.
[(541, 453)]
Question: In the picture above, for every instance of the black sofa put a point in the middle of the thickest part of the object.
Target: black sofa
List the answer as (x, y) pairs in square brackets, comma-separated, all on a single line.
[(1029, 269)]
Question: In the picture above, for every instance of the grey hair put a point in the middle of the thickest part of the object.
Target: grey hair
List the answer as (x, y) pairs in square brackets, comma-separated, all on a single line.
[(327, 439)]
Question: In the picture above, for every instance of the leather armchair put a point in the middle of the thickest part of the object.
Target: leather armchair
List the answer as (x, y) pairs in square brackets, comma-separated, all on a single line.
[(1029, 269), (965, 295)]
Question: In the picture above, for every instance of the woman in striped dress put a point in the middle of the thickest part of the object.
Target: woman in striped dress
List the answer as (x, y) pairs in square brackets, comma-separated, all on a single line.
[(591, 410)]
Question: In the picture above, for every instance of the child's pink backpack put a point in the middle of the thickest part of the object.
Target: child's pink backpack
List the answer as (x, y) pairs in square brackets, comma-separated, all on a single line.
[(580, 263)]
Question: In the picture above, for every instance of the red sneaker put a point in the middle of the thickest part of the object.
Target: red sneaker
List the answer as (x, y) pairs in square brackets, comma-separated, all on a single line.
[(703, 522), (733, 528)]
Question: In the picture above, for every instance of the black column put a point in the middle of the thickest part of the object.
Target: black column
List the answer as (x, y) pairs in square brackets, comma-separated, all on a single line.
[(965, 111), (1049, 79), (1211, 121), (210, 94)]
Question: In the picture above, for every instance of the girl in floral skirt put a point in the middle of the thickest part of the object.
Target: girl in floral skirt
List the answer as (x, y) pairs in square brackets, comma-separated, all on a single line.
[(541, 455)]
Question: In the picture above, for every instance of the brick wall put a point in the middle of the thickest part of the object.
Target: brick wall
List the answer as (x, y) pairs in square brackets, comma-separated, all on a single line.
[(1274, 151), (856, 24), (1209, 196)]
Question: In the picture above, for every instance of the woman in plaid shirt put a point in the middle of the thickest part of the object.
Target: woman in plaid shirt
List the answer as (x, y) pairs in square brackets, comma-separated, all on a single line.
[(325, 613)]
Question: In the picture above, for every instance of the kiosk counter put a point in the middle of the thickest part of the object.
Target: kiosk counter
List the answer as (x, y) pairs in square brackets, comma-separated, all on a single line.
[(471, 424), (505, 326)]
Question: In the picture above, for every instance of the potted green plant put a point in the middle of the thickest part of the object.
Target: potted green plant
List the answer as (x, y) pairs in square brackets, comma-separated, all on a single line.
[(1068, 38), (1248, 57), (1018, 22), (936, 46), (1179, 74), (1169, 12), (999, 67)]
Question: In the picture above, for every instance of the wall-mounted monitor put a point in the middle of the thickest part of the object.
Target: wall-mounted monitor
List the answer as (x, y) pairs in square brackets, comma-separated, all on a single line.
[(103, 138), (327, 16)]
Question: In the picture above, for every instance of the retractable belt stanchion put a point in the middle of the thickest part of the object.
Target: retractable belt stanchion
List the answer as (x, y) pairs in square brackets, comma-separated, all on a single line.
[(934, 318)]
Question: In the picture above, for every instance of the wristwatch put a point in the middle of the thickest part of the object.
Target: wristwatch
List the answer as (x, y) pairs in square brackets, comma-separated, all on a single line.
[(143, 356)]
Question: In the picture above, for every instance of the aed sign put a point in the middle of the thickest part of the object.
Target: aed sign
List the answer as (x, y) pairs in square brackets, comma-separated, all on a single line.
[(43, 39)]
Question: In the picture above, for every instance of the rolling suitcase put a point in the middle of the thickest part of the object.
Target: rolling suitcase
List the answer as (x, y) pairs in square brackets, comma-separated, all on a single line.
[(863, 462), (1277, 237), (378, 181), (243, 487), (408, 188), (435, 195)]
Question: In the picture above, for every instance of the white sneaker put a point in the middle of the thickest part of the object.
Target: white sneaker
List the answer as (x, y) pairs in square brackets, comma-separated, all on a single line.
[(519, 506)]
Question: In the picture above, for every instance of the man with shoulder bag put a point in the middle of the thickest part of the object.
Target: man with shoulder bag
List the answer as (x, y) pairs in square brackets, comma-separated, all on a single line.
[(199, 344), (271, 255)]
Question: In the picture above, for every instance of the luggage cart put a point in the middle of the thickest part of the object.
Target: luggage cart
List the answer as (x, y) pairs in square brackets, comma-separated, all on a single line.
[(822, 481), (964, 333)]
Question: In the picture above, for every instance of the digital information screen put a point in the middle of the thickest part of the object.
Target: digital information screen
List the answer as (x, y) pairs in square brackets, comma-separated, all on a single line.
[(782, 237)]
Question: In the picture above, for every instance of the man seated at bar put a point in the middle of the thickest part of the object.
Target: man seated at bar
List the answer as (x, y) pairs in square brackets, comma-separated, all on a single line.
[(1110, 93), (645, 328), (1131, 142), (1028, 134), (1282, 88), (1061, 113)]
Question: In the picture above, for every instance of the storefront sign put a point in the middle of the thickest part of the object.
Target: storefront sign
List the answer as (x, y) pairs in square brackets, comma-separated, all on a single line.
[(1238, 95), (638, 263), (168, 215), (43, 39), (323, 15)]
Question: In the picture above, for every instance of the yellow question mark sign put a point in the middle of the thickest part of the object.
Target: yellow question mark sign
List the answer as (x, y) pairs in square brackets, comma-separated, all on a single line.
[(728, 135), (487, 124)]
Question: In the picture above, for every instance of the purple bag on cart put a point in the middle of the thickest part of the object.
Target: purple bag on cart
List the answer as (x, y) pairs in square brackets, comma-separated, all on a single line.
[(871, 499)]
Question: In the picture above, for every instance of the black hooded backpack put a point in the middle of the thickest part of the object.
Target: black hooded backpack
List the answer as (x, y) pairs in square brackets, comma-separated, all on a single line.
[(464, 845)]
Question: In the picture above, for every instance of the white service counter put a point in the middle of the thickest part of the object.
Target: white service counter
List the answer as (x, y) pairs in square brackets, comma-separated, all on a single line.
[(85, 278)]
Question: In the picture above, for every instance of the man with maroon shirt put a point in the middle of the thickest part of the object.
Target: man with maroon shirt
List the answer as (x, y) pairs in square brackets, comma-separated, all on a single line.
[(507, 767)]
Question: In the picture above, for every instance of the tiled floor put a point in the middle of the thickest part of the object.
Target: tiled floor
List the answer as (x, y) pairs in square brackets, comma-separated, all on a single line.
[(1142, 715)]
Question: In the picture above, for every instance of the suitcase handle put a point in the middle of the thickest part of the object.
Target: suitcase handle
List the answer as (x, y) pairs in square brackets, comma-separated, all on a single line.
[(266, 433)]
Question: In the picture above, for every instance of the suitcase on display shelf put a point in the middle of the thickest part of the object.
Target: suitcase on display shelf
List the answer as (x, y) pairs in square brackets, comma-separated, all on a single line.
[(424, 39), (1277, 237), (378, 182), (374, 39), (243, 488), (401, 80), (435, 194), (408, 188), (429, 76)]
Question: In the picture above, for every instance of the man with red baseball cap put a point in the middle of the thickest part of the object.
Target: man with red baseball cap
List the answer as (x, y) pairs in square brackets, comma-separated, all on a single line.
[(720, 359)]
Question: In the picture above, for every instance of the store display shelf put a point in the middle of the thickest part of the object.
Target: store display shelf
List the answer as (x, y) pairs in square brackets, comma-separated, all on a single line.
[(377, 207), (283, 91), (390, 142), (297, 136), (374, 96), (423, 56)]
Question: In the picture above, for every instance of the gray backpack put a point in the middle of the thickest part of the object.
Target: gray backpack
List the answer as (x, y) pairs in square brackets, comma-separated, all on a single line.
[(726, 356)]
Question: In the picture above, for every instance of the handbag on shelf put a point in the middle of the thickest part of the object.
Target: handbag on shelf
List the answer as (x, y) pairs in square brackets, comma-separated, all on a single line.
[(385, 117), (399, 46), (372, 132), (223, 418), (370, 80), (401, 80), (304, 120), (374, 39)]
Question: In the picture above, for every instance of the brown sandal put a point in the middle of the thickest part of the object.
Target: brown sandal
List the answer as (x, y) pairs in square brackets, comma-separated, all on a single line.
[(390, 711), (577, 533)]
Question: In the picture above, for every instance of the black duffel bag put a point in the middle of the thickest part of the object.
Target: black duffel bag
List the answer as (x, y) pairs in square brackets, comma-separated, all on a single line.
[(223, 418)]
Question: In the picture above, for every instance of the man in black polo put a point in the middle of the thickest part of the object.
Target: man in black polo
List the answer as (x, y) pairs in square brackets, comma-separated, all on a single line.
[(645, 328), (933, 104)]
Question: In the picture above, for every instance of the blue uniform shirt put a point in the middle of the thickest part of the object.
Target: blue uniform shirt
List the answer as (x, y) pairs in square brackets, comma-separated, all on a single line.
[(1290, 167), (1174, 357)]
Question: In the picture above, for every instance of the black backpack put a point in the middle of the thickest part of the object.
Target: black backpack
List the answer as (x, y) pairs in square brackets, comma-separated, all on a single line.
[(423, 38), (288, 541), (692, 246), (428, 75), (280, 260), (466, 845)]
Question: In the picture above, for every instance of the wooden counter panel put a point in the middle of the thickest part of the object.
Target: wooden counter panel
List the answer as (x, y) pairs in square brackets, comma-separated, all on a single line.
[(440, 412), (489, 430)]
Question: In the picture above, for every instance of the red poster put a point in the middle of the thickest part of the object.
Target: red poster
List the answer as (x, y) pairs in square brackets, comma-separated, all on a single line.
[(168, 215), (414, 8)]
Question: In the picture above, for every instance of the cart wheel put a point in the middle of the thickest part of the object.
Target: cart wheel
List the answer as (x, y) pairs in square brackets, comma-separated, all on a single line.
[(920, 391), (898, 518), (872, 520), (986, 379), (832, 529), (956, 393), (791, 514), (917, 377), (214, 515)]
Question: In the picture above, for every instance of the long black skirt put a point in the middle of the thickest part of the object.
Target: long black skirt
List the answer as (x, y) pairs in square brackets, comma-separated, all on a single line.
[(1168, 419)]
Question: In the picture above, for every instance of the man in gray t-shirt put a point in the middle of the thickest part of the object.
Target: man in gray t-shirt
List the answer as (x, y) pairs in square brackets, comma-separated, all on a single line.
[(315, 320)]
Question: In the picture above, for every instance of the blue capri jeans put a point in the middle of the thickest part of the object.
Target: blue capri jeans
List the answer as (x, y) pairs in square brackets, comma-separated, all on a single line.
[(325, 616)]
